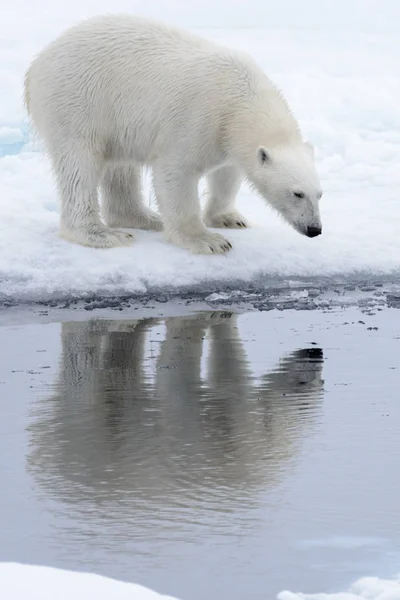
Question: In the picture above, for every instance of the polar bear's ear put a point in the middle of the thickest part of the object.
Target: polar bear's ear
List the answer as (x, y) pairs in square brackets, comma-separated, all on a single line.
[(310, 148), (263, 155)]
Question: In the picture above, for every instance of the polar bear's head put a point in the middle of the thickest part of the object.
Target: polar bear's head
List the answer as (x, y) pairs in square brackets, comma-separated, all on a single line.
[(286, 177)]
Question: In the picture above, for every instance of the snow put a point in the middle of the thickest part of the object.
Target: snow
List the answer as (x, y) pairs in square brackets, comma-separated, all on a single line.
[(19, 582), (338, 66), (23, 582), (10, 135), (366, 588)]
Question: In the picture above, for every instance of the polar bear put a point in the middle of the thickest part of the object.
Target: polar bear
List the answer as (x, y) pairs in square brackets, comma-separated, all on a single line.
[(116, 94)]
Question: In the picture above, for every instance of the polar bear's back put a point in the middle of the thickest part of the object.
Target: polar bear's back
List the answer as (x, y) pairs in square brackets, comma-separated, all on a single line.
[(113, 68)]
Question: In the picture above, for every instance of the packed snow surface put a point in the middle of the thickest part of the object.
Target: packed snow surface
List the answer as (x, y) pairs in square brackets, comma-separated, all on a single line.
[(23, 582)]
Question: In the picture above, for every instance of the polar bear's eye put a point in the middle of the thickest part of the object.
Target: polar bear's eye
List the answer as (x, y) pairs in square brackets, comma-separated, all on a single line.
[(298, 194), (263, 156)]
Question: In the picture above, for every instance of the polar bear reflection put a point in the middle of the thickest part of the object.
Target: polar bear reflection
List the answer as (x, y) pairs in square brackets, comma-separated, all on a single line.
[(130, 429)]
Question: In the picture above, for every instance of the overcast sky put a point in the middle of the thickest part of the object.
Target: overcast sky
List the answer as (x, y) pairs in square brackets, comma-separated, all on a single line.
[(337, 14)]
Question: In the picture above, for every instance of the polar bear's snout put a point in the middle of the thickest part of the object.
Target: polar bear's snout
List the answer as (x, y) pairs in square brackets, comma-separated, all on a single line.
[(313, 231)]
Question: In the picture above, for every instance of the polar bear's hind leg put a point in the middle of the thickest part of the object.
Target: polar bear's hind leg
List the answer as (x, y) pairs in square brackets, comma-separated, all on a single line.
[(77, 172), (122, 200)]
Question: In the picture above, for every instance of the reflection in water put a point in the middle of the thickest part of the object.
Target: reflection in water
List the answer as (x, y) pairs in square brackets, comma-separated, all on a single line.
[(160, 424)]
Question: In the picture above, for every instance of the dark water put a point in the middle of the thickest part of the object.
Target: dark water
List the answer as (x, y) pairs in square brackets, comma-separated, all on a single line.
[(208, 456)]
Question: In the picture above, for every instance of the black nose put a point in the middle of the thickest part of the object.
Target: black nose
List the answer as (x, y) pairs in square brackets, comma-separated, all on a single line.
[(310, 353), (313, 231)]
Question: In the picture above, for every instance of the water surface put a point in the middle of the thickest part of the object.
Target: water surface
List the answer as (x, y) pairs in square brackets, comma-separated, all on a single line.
[(206, 456)]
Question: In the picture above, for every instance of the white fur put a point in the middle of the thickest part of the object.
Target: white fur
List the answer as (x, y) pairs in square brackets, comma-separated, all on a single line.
[(117, 93)]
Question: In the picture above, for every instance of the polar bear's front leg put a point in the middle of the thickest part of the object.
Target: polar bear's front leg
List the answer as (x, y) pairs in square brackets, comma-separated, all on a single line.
[(224, 184), (178, 199)]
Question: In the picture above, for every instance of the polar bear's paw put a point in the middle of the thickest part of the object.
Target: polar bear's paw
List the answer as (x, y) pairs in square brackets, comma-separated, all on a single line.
[(201, 243), (231, 220), (97, 236)]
